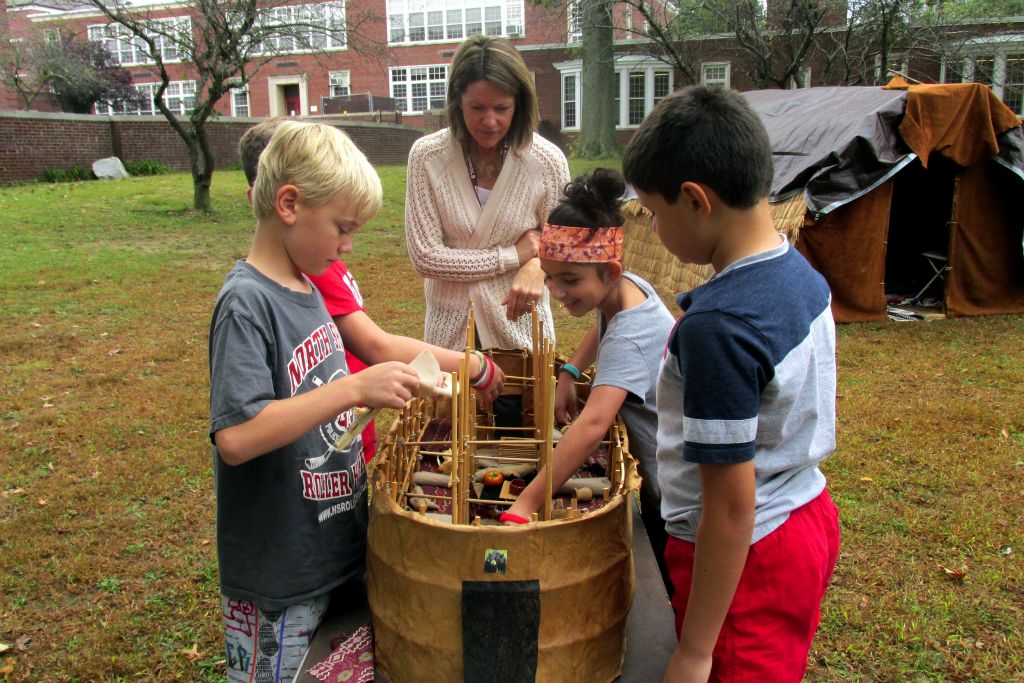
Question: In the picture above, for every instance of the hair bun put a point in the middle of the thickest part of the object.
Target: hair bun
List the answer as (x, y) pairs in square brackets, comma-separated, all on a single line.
[(607, 186), (591, 201)]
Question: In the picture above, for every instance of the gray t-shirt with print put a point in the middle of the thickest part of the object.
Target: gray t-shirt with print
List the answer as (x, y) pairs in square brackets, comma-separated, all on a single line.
[(291, 524)]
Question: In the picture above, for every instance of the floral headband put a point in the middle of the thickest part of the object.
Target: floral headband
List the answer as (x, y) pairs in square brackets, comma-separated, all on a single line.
[(581, 245)]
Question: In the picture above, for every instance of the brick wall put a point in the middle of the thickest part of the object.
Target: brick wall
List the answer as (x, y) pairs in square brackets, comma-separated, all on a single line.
[(32, 142)]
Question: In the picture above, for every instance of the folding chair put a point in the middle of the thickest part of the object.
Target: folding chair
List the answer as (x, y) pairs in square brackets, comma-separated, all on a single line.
[(938, 263)]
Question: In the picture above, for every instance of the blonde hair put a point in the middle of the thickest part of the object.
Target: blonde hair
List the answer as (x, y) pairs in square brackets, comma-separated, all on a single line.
[(323, 163), (482, 58)]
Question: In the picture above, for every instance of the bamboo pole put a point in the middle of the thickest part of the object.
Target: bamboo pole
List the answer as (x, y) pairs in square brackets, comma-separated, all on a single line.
[(548, 425)]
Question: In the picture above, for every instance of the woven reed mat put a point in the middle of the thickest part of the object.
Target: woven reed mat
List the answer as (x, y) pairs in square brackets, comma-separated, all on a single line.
[(645, 255)]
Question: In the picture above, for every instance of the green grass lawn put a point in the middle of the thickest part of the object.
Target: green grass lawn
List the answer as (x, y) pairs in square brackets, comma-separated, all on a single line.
[(107, 551)]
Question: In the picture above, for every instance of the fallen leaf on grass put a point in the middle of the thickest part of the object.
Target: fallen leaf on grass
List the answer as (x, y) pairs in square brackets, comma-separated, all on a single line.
[(12, 492), (1007, 550), (867, 479), (42, 501), (1005, 432), (957, 575), (113, 352), (863, 603), (7, 668), (22, 643), (193, 653), (4, 647)]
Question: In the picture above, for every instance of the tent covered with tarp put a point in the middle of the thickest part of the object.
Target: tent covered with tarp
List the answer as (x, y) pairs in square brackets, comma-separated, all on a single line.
[(898, 192)]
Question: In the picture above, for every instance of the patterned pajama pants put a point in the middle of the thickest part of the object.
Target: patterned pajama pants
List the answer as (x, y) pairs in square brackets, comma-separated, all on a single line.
[(268, 646)]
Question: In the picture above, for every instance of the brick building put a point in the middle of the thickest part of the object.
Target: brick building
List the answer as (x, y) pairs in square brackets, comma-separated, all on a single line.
[(401, 50)]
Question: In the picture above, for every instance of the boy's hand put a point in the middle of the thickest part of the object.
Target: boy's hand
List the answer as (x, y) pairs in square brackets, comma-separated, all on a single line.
[(565, 399), (685, 667), (527, 287), (386, 385), (493, 390)]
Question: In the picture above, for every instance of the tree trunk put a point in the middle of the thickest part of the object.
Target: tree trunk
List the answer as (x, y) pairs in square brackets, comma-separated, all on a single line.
[(201, 161), (598, 116)]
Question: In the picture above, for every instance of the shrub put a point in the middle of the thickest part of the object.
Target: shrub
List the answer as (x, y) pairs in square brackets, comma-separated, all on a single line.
[(70, 175), (146, 167)]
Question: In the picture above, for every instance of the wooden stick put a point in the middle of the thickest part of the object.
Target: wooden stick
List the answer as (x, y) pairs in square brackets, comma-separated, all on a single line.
[(548, 420)]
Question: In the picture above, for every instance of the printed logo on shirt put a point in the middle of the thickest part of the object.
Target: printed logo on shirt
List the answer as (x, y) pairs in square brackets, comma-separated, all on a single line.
[(324, 341), (350, 282)]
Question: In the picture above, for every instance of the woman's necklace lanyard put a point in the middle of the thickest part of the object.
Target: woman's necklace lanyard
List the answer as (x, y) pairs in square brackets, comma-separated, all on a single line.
[(472, 169)]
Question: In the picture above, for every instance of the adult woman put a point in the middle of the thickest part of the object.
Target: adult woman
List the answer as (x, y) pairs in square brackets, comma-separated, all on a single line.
[(478, 192)]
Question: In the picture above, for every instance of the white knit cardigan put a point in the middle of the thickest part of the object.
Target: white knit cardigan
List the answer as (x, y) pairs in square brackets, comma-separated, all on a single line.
[(467, 253)]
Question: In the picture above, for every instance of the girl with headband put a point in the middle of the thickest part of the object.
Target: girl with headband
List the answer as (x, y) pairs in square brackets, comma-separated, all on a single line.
[(581, 255)]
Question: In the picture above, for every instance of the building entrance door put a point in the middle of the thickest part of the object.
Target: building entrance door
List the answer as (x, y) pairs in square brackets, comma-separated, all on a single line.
[(292, 101)]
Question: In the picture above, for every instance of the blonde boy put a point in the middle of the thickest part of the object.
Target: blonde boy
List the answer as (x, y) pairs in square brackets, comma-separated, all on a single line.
[(291, 509)]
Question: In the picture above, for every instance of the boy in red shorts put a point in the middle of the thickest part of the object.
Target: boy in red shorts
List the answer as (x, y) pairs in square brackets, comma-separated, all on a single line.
[(746, 399)]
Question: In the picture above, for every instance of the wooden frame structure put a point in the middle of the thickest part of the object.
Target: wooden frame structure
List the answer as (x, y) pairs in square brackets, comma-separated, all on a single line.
[(530, 373)]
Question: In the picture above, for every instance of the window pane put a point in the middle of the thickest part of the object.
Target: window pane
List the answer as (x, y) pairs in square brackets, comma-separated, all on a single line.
[(661, 85), (1013, 90), (569, 101), (983, 68), (636, 97), (473, 21), (454, 23)]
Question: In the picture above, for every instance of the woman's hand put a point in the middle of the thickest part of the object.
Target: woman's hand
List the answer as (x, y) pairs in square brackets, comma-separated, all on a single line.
[(527, 287), (528, 246)]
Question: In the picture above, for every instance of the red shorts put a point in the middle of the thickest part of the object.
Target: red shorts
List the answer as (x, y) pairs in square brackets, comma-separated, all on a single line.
[(768, 630)]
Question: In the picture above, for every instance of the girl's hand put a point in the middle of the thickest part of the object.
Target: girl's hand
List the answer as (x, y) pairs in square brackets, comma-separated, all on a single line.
[(565, 399), (385, 385), (527, 287)]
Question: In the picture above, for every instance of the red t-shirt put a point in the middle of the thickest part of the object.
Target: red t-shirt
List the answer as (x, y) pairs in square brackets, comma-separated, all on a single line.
[(341, 294)]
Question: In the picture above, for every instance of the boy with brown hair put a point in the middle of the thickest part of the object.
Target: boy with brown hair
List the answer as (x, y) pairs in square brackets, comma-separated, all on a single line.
[(746, 399)]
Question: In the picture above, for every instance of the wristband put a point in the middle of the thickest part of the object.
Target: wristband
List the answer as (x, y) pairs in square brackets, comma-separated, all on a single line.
[(514, 518), (491, 373), (572, 370), (483, 366)]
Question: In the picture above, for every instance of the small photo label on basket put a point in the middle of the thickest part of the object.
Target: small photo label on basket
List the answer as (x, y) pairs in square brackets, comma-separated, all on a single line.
[(495, 561)]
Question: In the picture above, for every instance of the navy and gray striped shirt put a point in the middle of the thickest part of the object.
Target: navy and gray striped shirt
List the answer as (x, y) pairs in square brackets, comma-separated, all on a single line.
[(749, 373)]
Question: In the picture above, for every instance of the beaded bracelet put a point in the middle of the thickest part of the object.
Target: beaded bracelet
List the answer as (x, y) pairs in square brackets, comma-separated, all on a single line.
[(572, 370)]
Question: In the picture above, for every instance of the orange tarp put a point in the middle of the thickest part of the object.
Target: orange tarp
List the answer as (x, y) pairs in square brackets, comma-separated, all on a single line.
[(958, 121)]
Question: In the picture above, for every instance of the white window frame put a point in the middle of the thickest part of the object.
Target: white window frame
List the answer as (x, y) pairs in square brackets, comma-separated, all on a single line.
[(236, 110), (1000, 49), (416, 22), (402, 79), (340, 83), (322, 28), (894, 58), (574, 17), (625, 67), (725, 81), (570, 100), (180, 98), (802, 79), (129, 50)]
